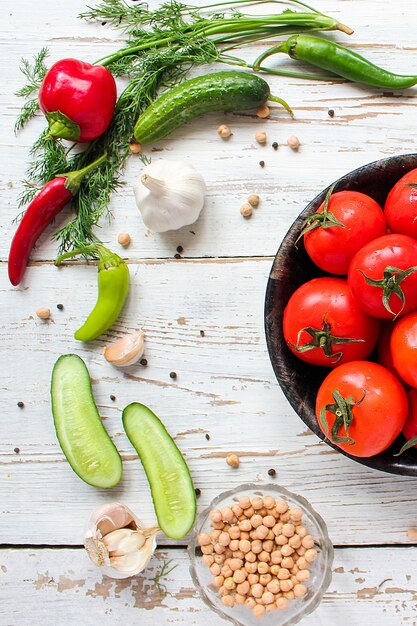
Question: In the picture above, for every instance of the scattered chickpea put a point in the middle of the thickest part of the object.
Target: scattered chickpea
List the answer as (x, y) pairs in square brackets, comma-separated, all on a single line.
[(43, 313), (124, 239), (224, 131), (261, 137), (293, 142), (135, 147), (263, 111), (233, 459), (246, 210), (254, 200)]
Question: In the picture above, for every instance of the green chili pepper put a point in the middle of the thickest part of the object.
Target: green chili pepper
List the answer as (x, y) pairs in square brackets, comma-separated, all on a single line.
[(333, 57), (113, 286)]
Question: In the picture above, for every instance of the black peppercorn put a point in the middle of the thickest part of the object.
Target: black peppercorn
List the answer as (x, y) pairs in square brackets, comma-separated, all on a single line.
[(262, 163), (272, 472), (330, 113), (275, 145), (173, 375), (197, 492), (177, 256), (112, 398), (17, 450), (180, 249), (202, 333), (20, 404), (60, 307), (207, 437), (144, 362)]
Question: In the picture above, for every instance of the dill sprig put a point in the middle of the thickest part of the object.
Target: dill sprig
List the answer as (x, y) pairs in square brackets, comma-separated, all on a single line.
[(161, 46)]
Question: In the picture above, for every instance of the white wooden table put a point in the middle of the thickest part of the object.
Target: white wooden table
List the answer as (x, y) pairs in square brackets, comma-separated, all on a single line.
[(225, 397)]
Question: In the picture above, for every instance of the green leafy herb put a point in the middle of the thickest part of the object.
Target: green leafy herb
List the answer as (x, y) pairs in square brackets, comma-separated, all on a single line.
[(163, 573), (34, 73)]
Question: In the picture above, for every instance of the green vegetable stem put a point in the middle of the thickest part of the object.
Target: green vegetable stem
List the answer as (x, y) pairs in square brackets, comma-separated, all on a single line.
[(335, 58), (218, 91), (113, 287)]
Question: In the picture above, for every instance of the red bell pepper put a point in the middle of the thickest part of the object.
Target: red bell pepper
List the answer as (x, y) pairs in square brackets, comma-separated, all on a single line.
[(52, 198), (78, 100)]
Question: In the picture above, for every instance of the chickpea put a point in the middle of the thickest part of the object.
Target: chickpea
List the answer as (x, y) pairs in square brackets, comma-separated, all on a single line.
[(269, 501), (215, 534), (283, 574), (204, 539), (286, 585), (270, 607), (273, 586), (244, 502), (258, 610), (253, 579), (296, 514), (237, 510), (250, 603), (285, 517), (43, 313), (276, 557), (264, 579), (262, 512), (257, 590), (223, 591), (263, 568), (240, 576), (207, 549), (244, 535), (287, 562), (288, 530), (267, 597), (310, 555), (219, 558), (302, 563), (287, 550), (264, 556), (224, 131), (228, 601), (234, 545), (277, 529), (260, 137), (275, 569), (256, 521), (301, 551), (250, 557), (219, 549), (218, 581), (281, 506), (295, 541), (245, 525), (216, 515), (243, 588), (282, 604), (239, 599), (269, 521), (257, 503), (226, 571), (246, 210), (262, 531), (135, 147), (238, 554), (251, 568), (207, 559), (268, 546), (270, 536), (262, 111), (307, 542), (215, 569), (234, 532), (233, 460), (289, 595), (301, 531), (228, 553), (300, 590), (244, 545), (235, 564), (227, 514), (229, 583), (303, 575), (281, 540), (253, 535), (293, 142), (249, 512)]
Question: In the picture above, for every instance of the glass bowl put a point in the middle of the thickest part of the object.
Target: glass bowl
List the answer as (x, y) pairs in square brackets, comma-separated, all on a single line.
[(321, 568)]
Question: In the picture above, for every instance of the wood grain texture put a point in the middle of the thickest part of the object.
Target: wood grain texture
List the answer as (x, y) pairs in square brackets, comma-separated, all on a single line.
[(369, 586)]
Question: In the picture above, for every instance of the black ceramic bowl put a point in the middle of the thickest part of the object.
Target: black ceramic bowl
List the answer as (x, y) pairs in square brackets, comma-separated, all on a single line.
[(292, 267)]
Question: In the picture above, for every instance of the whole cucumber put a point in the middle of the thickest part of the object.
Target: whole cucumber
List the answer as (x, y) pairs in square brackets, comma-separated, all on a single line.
[(219, 91)]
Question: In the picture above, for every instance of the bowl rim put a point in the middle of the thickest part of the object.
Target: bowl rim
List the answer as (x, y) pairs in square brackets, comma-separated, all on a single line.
[(374, 462), (291, 496)]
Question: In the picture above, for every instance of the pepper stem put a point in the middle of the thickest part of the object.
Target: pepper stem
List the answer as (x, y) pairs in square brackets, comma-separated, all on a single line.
[(75, 178), (106, 257), (282, 103)]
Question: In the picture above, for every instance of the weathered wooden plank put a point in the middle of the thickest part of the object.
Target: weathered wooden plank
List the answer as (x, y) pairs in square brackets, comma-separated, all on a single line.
[(367, 125), (225, 389), (40, 586)]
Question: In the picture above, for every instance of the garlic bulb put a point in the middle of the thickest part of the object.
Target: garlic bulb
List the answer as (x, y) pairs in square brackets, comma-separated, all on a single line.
[(169, 195), (117, 542), (125, 351)]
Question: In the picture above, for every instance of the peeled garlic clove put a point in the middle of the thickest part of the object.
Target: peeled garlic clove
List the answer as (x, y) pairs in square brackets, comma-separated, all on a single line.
[(117, 542), (126, 351), (123, 541)]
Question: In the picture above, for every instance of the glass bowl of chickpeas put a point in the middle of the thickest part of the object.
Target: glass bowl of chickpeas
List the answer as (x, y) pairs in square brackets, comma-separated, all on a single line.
[(261, 555)]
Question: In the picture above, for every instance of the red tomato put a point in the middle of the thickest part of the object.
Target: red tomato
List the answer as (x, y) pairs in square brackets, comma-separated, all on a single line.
[(410, 426), (404, 348), (332, 248), (384, 350), (383, 276), (365, 408), (401, 206), (323, 325)]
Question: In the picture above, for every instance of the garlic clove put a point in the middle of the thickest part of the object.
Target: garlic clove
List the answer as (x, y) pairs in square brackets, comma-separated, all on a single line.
[(117, 542), (126, 351), (123, 541)]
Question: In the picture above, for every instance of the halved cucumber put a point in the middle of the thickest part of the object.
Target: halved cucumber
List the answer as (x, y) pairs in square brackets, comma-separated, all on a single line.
[(168, 474), (81, 434)]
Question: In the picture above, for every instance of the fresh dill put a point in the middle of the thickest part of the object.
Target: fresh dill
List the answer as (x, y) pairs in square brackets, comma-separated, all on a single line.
[(163, 573), (161, 46)]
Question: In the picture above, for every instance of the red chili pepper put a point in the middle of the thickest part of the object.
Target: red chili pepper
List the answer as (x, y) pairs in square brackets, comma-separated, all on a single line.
[(41, 211), (78, 100)]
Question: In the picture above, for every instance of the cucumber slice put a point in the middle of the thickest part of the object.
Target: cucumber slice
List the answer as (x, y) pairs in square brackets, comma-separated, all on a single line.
[(168, 474), (81, 434)]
